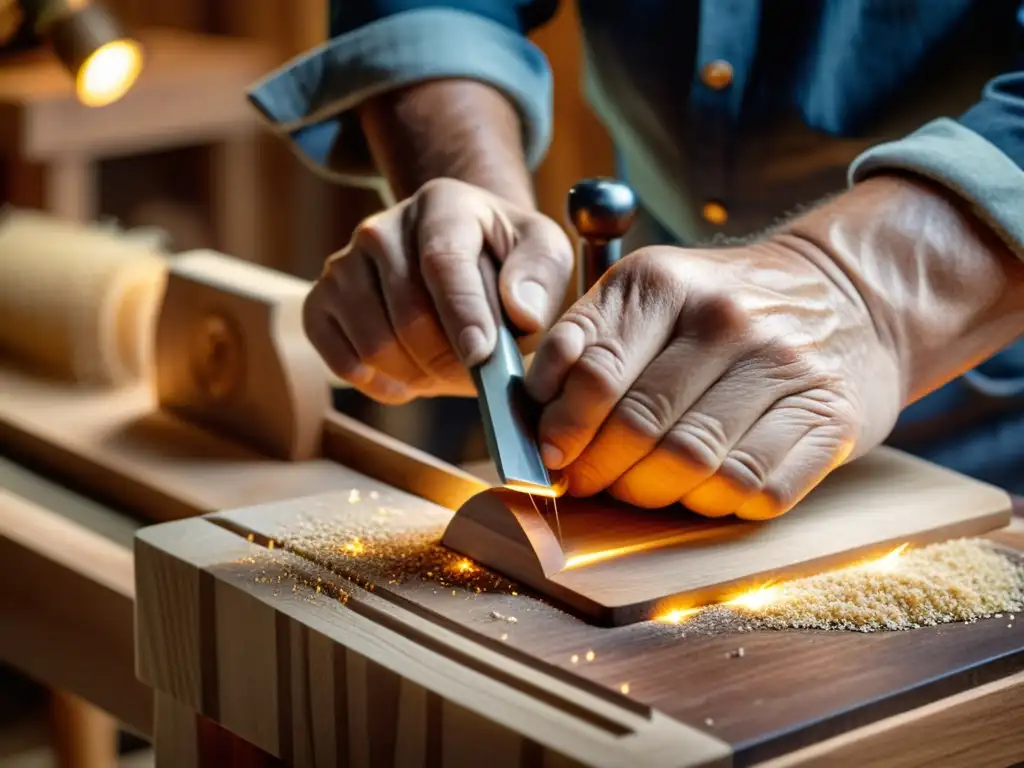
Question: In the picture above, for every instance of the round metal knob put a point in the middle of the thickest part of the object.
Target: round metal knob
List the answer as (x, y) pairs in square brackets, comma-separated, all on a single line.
[(602, 209)]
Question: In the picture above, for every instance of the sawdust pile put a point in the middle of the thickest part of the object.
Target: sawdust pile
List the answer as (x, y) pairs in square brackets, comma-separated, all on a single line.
[(956, 581), (367, 556)]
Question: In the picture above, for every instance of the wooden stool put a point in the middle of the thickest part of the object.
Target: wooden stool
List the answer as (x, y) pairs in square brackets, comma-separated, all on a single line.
[(191, 92)]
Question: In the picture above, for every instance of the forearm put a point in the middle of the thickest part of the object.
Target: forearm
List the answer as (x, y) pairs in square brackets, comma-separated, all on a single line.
[(944, 290), (453, 128)]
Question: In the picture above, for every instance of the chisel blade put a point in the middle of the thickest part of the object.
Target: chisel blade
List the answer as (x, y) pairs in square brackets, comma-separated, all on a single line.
[(510, 420)]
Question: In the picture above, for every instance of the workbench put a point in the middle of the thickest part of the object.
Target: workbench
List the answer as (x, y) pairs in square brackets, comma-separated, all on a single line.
[(246, 640), (260, 647)]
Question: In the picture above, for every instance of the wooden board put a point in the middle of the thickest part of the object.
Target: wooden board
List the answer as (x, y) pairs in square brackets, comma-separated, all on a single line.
[(67, 595), (115, 445), (616, 564), (789, 689)]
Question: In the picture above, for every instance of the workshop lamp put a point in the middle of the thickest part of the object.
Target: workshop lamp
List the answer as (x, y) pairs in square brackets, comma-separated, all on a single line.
[(90, 43)]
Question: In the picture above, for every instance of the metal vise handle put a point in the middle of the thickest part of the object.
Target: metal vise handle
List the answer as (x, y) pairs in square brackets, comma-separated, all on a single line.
[(601, 211)]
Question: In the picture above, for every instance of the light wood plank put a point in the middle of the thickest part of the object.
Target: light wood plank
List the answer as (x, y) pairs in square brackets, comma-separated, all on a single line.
[(66, 595)]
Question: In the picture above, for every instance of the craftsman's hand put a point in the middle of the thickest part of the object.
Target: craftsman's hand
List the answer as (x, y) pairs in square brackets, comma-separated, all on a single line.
[(411, 302), (732, 380)]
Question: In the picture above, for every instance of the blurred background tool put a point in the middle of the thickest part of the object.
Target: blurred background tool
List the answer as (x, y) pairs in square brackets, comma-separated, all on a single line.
[(601, 211), (85, 37)]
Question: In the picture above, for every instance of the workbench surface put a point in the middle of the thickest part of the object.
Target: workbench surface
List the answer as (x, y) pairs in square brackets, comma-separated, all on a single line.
[(327, 663)]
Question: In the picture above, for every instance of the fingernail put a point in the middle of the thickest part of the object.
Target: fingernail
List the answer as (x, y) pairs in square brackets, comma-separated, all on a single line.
[(473, 344), (553, 457), (533, 297)]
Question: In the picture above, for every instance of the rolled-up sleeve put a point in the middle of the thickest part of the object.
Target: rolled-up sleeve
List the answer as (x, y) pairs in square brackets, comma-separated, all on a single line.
[(979, 156), (380, 45)]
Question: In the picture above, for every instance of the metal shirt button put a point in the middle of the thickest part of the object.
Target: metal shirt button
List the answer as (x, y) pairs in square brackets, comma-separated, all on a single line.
[(715, 213), (717, 74)]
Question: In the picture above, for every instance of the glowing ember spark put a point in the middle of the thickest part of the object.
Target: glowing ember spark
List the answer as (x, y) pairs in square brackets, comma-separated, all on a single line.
[(758, 597), (624, 688), (355, 547), (677, 616), (887, 562), (464, 566), (687, 537)]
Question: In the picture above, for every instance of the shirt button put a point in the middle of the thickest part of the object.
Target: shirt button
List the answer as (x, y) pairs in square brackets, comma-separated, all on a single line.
[(717, 74), (715, 213)]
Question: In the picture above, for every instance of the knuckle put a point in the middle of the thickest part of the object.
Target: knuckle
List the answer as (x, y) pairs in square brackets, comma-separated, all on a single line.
[(744, 470), (603, 367), (336, 262), (642, 279), (370, 234), (718, 317), (699, 440), (439, 252), (649, 415), (825, 404), (558, 349), (442, 184), (648, 262)]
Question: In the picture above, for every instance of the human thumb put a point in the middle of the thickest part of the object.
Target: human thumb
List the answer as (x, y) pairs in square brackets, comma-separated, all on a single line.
[(535, 274)]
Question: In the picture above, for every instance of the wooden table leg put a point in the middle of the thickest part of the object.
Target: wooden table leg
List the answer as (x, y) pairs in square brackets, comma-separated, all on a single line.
[(84, 736), (236, 199), (72, 188), (185, 739)]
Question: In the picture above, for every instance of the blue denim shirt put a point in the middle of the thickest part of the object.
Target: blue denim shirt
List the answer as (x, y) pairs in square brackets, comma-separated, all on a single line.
[(757, 106)]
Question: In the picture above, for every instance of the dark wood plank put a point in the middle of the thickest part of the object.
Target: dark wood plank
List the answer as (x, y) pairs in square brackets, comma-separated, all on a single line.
[(788, 689), (613, 563)]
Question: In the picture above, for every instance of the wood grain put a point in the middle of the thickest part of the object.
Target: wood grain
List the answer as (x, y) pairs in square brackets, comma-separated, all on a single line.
[(392, 696), (185, 739), (118, 447), (668, 559), (232, 356), (789, 689), (66, 593), (910, 739)]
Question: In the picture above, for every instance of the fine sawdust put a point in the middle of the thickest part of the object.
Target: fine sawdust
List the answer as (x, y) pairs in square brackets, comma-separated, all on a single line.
[(962, 580), (956, 581)]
